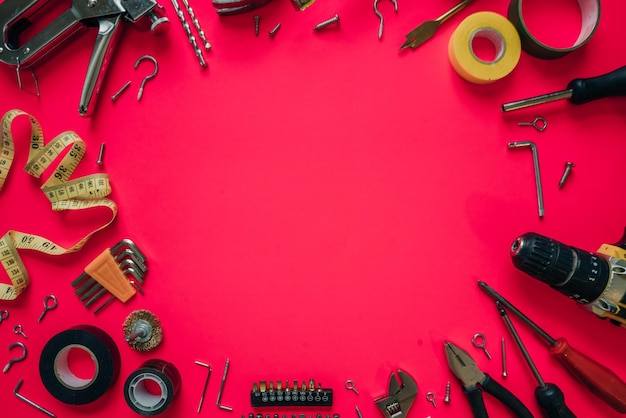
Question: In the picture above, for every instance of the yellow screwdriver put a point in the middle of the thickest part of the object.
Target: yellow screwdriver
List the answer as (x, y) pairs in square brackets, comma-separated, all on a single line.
[(426, 30)]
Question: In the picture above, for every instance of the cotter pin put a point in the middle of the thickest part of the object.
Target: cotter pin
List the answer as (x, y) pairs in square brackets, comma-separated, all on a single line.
[(533, 147), (16, 359)]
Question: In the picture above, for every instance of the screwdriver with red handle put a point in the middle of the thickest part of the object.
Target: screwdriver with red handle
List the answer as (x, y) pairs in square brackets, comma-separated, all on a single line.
[(549, 396), (596, 377)]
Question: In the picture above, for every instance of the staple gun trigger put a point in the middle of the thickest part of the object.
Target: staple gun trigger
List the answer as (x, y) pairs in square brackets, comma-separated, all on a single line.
[(401, 396), (103, 14)]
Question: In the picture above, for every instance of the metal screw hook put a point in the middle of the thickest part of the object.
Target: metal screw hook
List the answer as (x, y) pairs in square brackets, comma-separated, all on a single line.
[(149, 77), (16, 359), (380, 16)]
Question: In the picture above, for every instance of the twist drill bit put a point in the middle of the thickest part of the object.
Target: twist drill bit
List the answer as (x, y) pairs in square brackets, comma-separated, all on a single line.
[(192, 39), (196, 23)]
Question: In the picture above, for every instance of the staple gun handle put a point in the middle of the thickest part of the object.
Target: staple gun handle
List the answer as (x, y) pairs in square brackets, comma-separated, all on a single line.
[(40, 44), (109, 29)]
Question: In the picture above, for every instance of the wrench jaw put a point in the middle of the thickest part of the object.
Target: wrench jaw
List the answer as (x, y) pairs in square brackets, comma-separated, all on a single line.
[(402, 394)]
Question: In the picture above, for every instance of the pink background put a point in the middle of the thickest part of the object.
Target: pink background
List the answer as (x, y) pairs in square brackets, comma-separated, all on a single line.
[(319, 205)]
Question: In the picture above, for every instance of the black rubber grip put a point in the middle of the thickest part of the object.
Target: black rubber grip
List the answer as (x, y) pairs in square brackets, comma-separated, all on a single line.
[(587, 89), (551, 399), (475, 396), (503, 395)]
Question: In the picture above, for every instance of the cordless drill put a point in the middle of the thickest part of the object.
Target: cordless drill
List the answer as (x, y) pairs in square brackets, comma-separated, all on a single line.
[(596, 280)]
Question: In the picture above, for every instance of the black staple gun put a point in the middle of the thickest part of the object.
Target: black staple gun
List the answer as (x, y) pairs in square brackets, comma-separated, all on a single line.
[(105, 15)]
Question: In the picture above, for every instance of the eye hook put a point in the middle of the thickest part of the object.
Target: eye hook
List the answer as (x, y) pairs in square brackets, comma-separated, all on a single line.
[(380, 16), (148, 77)]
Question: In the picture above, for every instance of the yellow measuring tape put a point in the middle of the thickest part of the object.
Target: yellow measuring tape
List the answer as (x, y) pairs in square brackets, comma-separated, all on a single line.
[(64, 194)]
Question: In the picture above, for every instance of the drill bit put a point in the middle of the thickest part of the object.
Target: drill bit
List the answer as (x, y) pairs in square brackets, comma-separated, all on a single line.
[(196, 23), (187, 28)]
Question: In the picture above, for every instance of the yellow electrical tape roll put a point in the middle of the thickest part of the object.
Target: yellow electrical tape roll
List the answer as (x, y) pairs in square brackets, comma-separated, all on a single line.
[(500, 32), (64, 194)]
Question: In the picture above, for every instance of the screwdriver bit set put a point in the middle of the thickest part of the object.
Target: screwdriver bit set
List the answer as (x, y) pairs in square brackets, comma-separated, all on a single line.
[(119, 271), (270, 393)]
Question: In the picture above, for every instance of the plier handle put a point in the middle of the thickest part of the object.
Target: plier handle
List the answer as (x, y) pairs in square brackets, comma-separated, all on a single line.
[(475, 381)]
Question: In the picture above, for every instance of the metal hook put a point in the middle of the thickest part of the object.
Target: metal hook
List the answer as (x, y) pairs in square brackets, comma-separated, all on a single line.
[(16, 359), (151, 76), (380, 16)]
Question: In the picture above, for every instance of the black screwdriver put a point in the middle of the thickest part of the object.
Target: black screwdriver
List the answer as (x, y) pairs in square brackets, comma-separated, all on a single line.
[(548, 395), (580, 91)]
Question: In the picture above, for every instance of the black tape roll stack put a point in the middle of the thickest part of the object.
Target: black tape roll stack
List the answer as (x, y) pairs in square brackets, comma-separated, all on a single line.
[(150, 389), (55, 371)]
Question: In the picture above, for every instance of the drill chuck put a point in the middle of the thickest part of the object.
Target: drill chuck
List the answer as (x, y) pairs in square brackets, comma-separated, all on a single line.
[(597, 280), (578, 274)]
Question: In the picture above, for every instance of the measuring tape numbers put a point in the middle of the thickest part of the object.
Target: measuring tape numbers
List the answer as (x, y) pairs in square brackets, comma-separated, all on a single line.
[(64, 194)]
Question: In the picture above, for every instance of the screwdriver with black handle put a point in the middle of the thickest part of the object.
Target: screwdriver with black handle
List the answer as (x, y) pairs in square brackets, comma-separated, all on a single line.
[(580, 91), (548, 395), (597, 378)]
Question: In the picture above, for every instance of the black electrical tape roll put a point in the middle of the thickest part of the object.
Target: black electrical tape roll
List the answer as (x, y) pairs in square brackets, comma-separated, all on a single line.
[(145, 402), (56, 374), (590, 12)]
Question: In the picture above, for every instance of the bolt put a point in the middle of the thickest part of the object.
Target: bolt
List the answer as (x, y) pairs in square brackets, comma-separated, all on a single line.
[(257, 20), (568, 169), (334, 19), (274, 30), (447, 397), (92, 3)]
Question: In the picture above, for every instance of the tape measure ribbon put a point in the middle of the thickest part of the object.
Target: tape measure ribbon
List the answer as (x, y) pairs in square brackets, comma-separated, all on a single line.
[(64, 194)]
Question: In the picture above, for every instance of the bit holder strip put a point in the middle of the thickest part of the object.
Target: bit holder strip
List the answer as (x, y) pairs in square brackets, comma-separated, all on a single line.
[(266, 393)]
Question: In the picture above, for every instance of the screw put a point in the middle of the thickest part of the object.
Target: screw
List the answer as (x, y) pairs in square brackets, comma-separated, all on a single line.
[(274, 30), (100, 154), (257, 20), (120, 91), (334, 19), (568, 169), (447, 398)]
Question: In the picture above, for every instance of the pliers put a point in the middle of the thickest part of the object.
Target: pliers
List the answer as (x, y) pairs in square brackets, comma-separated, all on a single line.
[(473, 379)]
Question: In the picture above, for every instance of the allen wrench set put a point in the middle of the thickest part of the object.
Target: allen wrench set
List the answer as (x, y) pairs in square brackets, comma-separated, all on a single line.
[(110, 272)]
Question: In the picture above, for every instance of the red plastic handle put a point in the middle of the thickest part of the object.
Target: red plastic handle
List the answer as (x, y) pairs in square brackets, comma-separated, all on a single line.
[(599, 379)]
